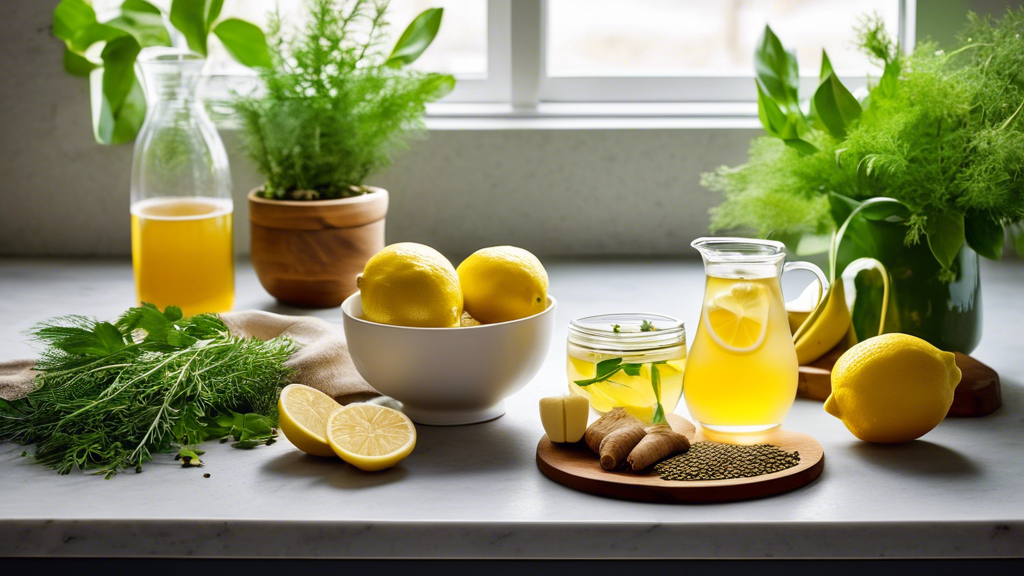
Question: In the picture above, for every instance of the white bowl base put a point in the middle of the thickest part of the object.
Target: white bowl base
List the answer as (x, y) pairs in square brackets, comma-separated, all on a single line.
[(453, 417)]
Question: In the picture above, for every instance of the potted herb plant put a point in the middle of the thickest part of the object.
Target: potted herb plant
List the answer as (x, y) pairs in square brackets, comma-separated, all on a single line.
[(334, 107), (923, 173)]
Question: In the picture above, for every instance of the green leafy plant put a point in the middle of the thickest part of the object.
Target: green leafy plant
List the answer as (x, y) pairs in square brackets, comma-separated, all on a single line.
[(110, 395), (105, 52), (939, 136), (335, 104)]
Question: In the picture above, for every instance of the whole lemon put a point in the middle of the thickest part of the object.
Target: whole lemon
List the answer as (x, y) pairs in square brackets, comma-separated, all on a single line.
[(409, 284), (503, 283), (892, 388)]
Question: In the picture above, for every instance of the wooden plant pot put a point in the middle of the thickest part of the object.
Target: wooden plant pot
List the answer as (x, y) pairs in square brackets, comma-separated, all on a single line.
[(308, 253)]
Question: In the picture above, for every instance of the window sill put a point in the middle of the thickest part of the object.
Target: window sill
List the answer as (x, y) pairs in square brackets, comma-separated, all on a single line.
[(593, 116)]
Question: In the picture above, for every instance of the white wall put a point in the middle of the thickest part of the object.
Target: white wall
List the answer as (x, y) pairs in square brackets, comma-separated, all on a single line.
[(551, 191)]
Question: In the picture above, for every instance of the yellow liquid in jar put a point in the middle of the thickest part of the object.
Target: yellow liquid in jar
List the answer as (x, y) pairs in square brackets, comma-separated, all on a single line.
[(183, 254), (737, 392), (634, 393)]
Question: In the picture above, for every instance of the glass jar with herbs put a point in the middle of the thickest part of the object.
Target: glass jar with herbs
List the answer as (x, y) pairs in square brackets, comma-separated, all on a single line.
[(633, 361)]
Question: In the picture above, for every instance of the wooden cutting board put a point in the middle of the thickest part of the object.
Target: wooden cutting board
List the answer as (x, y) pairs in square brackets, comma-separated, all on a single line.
[(575, 466), (978, 393)]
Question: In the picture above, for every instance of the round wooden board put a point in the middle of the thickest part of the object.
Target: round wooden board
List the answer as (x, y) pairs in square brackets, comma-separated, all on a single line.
[(575, 466)]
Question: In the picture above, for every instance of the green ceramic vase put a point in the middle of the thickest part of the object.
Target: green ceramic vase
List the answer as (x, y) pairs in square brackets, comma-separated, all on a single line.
[(946, 314)]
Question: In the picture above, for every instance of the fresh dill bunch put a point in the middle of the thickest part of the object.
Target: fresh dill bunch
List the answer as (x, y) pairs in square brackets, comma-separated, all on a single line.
[(332, 111), (110, 396), (942, 132)]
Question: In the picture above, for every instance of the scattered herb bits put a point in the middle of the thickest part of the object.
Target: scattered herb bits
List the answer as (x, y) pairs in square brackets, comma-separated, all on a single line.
[(717, 461)]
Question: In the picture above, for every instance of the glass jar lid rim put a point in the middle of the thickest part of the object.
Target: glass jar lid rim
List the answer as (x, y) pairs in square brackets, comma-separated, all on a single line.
[(623, 331)]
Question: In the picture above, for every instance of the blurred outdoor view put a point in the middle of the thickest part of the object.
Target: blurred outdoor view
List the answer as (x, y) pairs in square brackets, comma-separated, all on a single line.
[(701, 37), (620, 38)]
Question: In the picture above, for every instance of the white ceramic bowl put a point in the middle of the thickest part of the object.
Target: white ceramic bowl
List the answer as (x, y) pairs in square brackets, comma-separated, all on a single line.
[(448, 376)]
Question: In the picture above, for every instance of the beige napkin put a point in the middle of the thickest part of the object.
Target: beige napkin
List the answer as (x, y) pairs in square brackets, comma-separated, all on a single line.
[(321, 361)]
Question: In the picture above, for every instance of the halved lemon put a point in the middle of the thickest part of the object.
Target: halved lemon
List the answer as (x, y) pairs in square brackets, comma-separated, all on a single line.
[(737, 319), (303, 414), (371, 437)]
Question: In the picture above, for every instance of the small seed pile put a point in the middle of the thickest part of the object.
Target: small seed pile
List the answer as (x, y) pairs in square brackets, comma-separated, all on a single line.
[(717, 461)]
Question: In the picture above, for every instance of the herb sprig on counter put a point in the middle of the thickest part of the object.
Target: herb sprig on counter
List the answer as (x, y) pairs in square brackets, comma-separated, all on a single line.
[(110, 395)]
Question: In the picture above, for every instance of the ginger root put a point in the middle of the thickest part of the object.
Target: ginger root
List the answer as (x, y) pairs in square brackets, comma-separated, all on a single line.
[(660, 442), (619, 444), (605, 425)]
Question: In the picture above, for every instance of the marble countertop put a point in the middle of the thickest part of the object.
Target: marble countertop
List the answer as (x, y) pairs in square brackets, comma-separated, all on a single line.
[(475, 491)]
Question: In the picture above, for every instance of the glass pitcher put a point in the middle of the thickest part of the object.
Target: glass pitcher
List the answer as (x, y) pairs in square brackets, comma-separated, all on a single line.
[(741, 374), (181, 205)]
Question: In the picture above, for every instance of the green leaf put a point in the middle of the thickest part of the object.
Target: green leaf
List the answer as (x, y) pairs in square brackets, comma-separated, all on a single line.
[(245, 42), (779, 124), (802, 146), (144, 21), (604, 370), (777, 70), (118, 102), (213, 12), (659, 410), (438, 85), (92, 34), (945, 236), (836, 107), (772, 117), (826, 69), (608, 366), (172, 313), (77, 65), (984, 234), (189, 17), (416, 38), (70, 16), (632, 369), (826, 66)]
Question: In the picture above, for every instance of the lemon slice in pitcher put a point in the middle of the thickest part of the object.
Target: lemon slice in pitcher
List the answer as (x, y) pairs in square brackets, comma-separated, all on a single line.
[(371, 437), (737, 319)]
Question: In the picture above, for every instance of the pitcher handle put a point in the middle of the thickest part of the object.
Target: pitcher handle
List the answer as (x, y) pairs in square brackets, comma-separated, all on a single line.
[(822, 280), (822, 296)]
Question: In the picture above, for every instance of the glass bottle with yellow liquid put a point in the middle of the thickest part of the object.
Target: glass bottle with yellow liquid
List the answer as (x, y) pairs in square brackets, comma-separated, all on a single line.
[(742, 371), (182, 249), (632, 361)]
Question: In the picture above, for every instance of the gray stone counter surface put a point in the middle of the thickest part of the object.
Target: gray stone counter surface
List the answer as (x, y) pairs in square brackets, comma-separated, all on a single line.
[(475, 491)]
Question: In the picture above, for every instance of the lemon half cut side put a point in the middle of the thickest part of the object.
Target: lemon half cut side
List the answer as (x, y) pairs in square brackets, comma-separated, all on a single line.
[(302, 415), (737, 319), (371, 437)]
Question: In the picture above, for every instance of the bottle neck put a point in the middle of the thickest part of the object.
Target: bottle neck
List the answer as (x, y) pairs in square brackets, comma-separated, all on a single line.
[(168, 80)]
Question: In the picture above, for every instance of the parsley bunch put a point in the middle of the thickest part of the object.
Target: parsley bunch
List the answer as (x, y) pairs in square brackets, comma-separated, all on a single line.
[(110, 395)]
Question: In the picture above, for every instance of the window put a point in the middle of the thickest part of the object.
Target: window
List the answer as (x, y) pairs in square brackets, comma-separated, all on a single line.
[(693, 50), (557, 51)]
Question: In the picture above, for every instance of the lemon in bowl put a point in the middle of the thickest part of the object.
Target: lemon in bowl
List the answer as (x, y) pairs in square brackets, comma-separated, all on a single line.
[(892, 388), (503, 283), (409, 284)]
